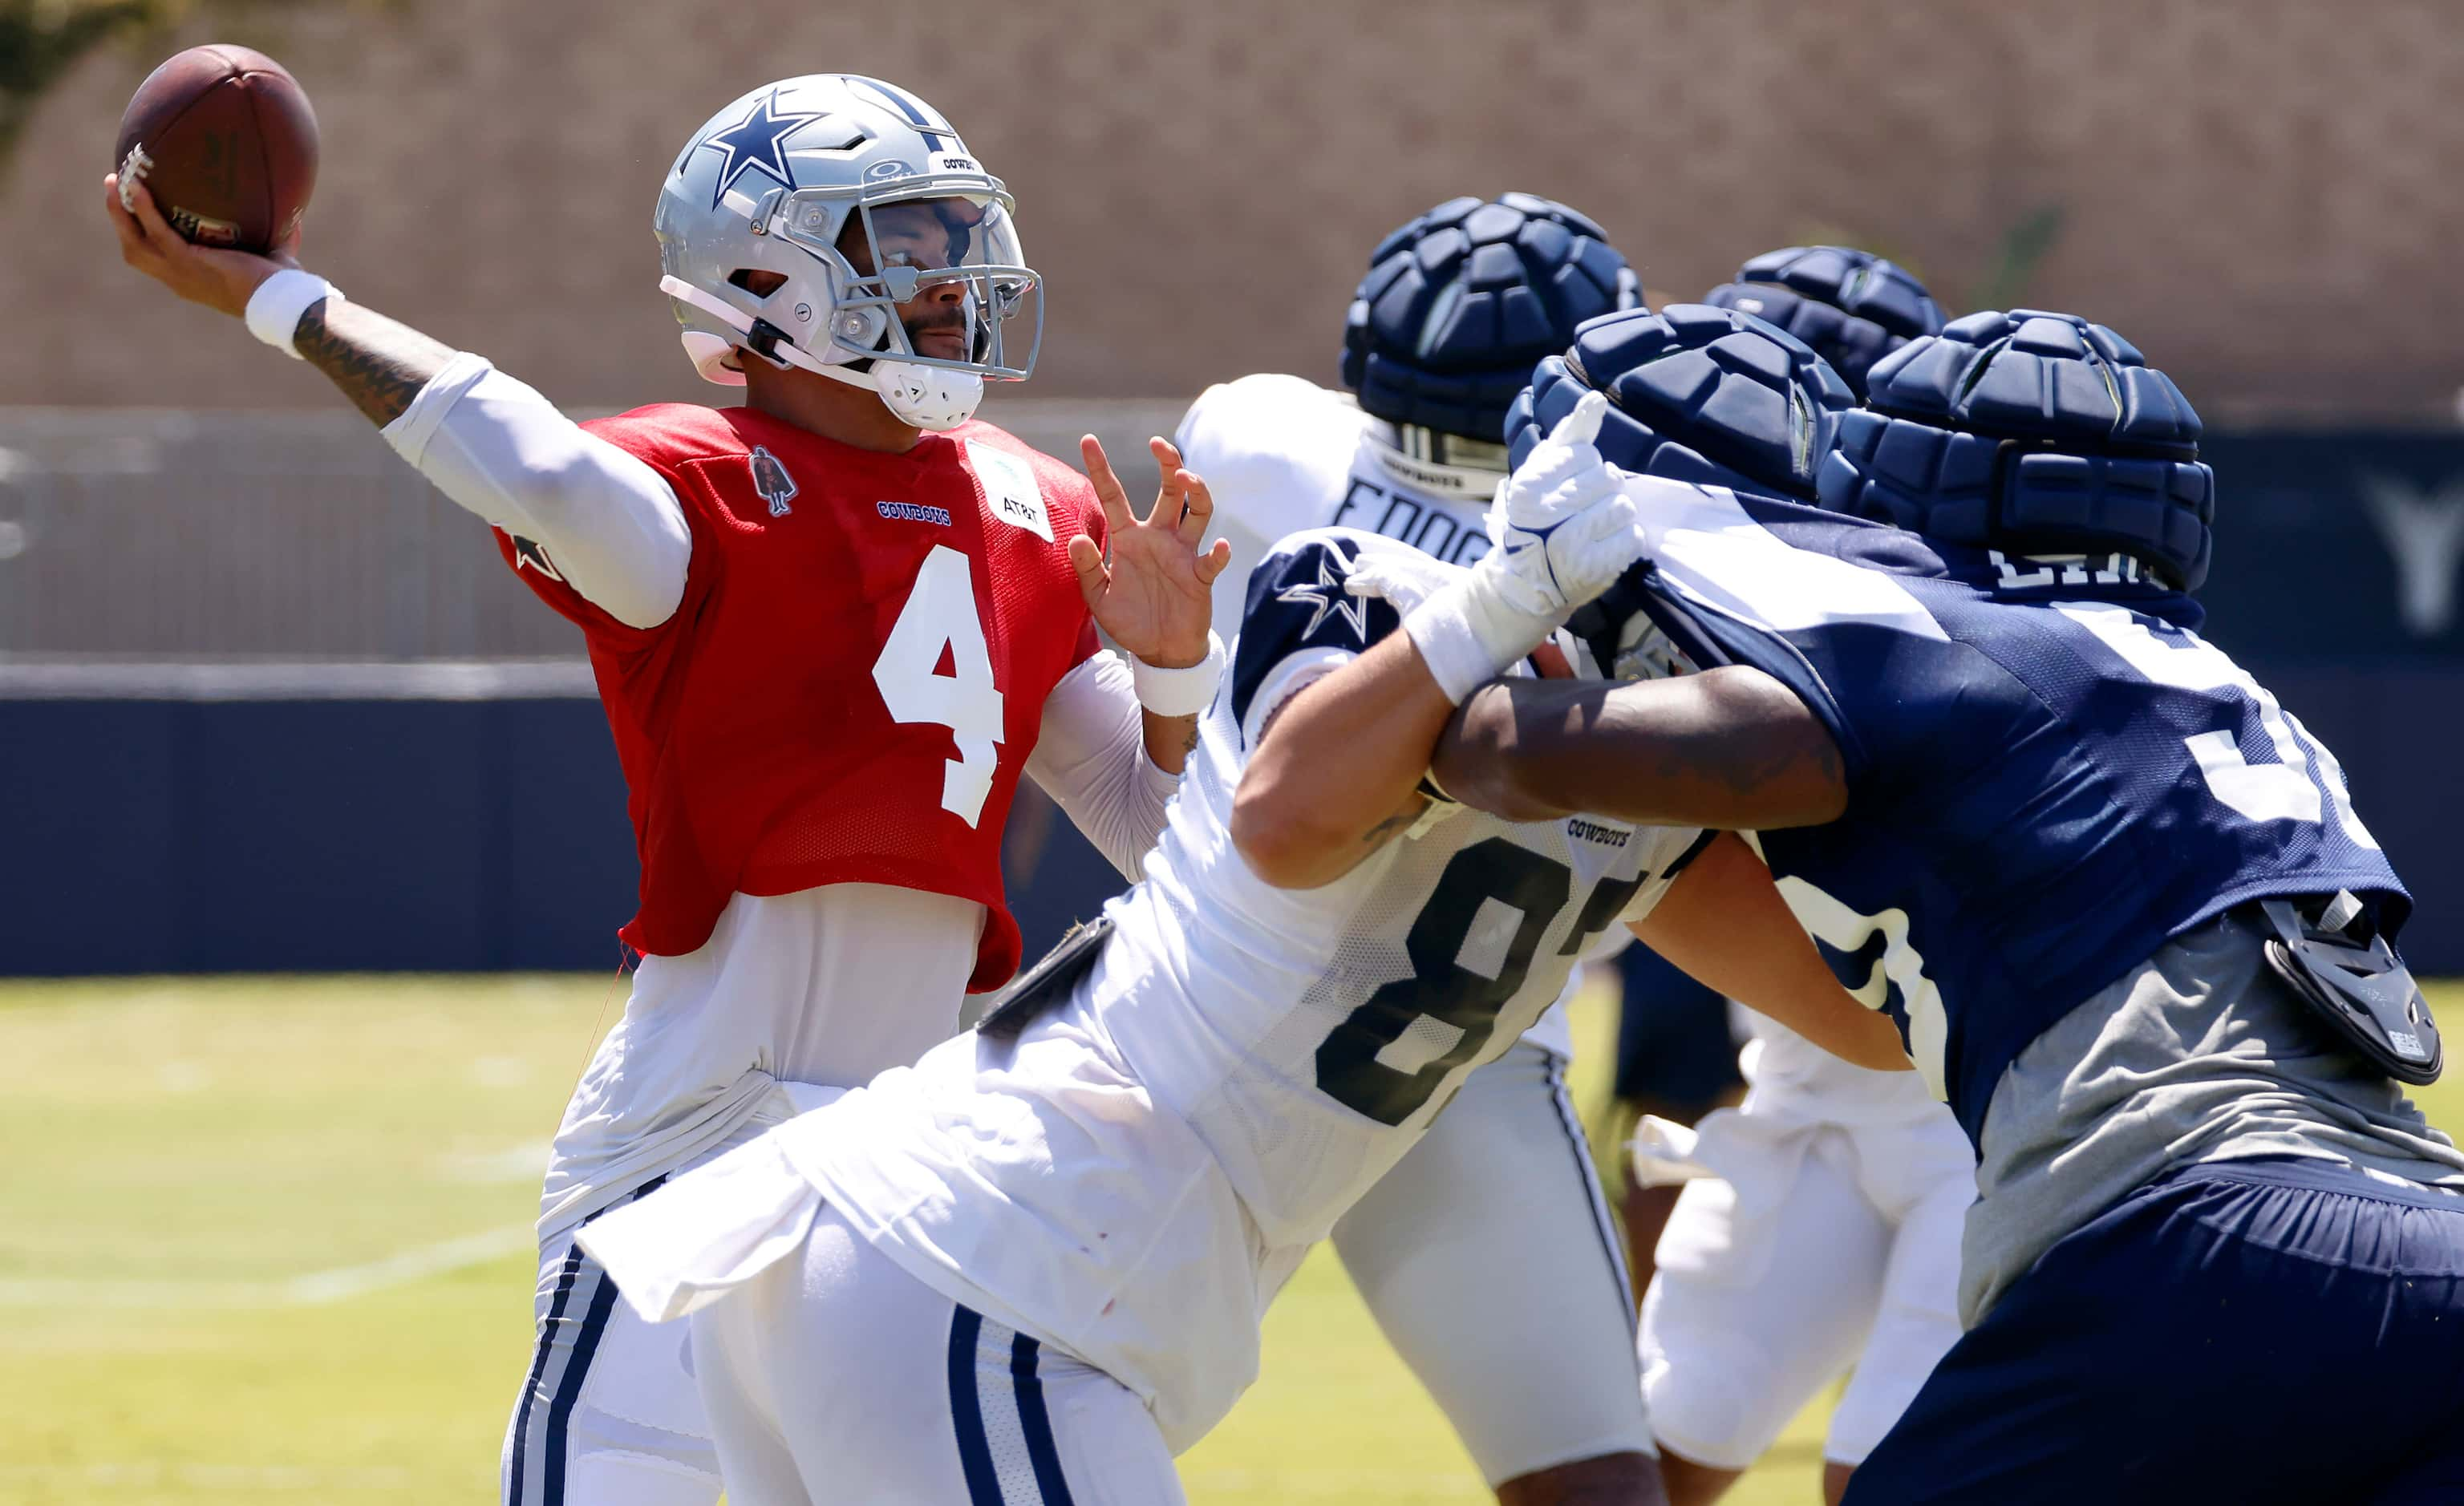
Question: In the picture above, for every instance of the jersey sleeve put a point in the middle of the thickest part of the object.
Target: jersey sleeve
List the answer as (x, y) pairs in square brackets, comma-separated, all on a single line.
[(595, 530), (1298, 622), (1673, 849), (1801, 595), (1090, 757)]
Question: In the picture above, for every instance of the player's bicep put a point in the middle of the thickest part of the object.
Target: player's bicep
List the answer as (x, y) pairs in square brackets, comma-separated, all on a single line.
[(1724, 921), (595, 518)]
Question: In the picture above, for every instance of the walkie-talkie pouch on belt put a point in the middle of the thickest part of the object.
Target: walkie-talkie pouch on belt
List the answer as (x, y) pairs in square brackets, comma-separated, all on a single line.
[(2358, 986), (1045, 986)]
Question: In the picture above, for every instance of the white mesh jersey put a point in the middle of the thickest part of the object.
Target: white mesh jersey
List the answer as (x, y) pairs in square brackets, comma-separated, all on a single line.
[(1280, 454), (1135, 1175)]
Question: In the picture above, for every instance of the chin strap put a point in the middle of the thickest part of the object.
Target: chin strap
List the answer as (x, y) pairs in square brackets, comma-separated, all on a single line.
[(928, 397)]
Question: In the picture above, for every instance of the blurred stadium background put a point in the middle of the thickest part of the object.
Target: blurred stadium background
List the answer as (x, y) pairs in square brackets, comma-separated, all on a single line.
[(269, 705)]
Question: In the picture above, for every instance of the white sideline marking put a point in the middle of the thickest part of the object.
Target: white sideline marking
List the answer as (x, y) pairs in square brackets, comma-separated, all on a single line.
[(344, 1282), (315, 1288), (525, 1161)]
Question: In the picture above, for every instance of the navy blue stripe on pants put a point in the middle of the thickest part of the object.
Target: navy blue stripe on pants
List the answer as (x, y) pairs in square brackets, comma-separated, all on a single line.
[(520, 1445), (569, 1359), (967, 1413), (1015, 1415), (1036, 1422)]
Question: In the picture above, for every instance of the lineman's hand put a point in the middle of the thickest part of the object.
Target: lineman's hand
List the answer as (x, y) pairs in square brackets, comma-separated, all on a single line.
[(215, 277)]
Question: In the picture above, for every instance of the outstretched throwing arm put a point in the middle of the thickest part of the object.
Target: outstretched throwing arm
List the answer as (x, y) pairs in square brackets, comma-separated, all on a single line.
[(377, 363), (613, 525)]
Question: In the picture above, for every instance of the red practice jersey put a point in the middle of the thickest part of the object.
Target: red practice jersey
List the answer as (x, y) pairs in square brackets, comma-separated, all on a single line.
[(852, 683)]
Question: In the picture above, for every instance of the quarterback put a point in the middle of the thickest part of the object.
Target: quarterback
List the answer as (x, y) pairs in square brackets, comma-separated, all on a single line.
[(1536, 1374), (2113, 894), (832, 628), (1030, 1268)]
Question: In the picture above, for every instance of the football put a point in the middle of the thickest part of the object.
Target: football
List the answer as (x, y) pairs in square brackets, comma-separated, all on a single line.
[(225, 140)]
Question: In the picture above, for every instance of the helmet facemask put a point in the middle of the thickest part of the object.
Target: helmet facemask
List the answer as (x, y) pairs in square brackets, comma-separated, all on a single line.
[(908, 241)]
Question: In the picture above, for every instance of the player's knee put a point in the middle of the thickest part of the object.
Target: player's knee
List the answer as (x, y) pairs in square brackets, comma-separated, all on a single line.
[(1690, 1483), (1627, 1479), (1834, 1481)]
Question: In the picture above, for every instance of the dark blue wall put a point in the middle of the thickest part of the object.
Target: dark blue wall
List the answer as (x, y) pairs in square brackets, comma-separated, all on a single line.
[(243, 836), (334, 835), (264, 835)]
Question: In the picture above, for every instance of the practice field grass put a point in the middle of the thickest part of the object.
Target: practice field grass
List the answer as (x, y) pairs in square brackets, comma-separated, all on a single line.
[(268, 1240)]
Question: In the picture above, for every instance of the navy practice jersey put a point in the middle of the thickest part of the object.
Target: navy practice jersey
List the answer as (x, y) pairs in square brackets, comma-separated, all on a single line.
[(2049, 772)]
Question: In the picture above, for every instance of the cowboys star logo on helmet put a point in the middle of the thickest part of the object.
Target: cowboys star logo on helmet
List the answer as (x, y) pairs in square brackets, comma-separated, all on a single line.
[(758, 141), (798, 229)]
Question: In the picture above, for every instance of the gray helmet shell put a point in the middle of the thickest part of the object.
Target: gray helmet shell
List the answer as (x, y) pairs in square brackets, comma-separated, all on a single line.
[(769, 185)]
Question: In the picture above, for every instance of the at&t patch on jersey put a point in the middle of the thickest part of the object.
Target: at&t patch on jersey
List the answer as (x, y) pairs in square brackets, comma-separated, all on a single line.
[(1010, 491)]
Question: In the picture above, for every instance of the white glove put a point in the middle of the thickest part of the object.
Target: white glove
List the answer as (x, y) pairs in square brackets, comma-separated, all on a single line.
[(1399, 575), (1563, 530)]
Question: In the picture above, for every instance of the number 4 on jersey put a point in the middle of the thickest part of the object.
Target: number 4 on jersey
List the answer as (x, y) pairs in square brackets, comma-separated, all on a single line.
[(940, 617)]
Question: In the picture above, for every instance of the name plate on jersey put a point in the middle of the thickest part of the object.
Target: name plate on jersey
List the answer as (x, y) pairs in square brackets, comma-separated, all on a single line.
[(1010, 490)]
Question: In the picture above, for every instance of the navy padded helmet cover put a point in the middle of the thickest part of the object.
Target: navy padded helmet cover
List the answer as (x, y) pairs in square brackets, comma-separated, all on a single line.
[(2033, 430), (1461, 301), (1696, 393), (1852, 306)]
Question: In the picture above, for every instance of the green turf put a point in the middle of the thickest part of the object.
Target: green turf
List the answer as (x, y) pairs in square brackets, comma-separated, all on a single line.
[(182, 1152)]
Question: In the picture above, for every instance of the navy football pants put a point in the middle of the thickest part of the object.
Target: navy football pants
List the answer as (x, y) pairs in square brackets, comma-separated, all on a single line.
[(2249, 1331)]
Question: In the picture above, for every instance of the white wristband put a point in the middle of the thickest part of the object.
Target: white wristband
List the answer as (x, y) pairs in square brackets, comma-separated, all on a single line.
[(1467, 639), (1179, 693), (275, 308)]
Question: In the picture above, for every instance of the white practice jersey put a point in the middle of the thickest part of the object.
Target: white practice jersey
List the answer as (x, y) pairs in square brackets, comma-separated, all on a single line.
[(1135, 1177), (1280, 454)]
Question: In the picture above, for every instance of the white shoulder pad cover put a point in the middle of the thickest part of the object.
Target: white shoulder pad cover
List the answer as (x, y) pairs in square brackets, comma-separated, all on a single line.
[(1274, 451)]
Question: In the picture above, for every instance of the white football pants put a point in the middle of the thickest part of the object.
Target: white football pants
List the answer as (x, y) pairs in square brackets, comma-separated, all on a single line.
[(1829, 1247), (834, 1377), (1490, 1260), (609, 1413)]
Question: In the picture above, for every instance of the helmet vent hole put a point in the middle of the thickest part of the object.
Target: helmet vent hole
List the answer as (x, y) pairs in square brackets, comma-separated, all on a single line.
[(755, 281)]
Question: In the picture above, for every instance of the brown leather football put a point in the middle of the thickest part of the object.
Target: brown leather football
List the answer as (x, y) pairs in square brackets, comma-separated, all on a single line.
[(224, 138)]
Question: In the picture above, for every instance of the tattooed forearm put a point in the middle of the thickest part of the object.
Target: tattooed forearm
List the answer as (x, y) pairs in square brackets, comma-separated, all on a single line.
[(1393, 823), (1170, 740), (380, 365), (1744, 768)]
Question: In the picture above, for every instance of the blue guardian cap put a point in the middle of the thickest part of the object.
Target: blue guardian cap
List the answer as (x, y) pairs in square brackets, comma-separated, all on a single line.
[(2034, 433), (1461, 301), (1853, 307), (1696, 393)]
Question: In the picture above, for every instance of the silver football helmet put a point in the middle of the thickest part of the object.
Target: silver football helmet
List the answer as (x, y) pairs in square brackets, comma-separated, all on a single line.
[(861, 197)]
